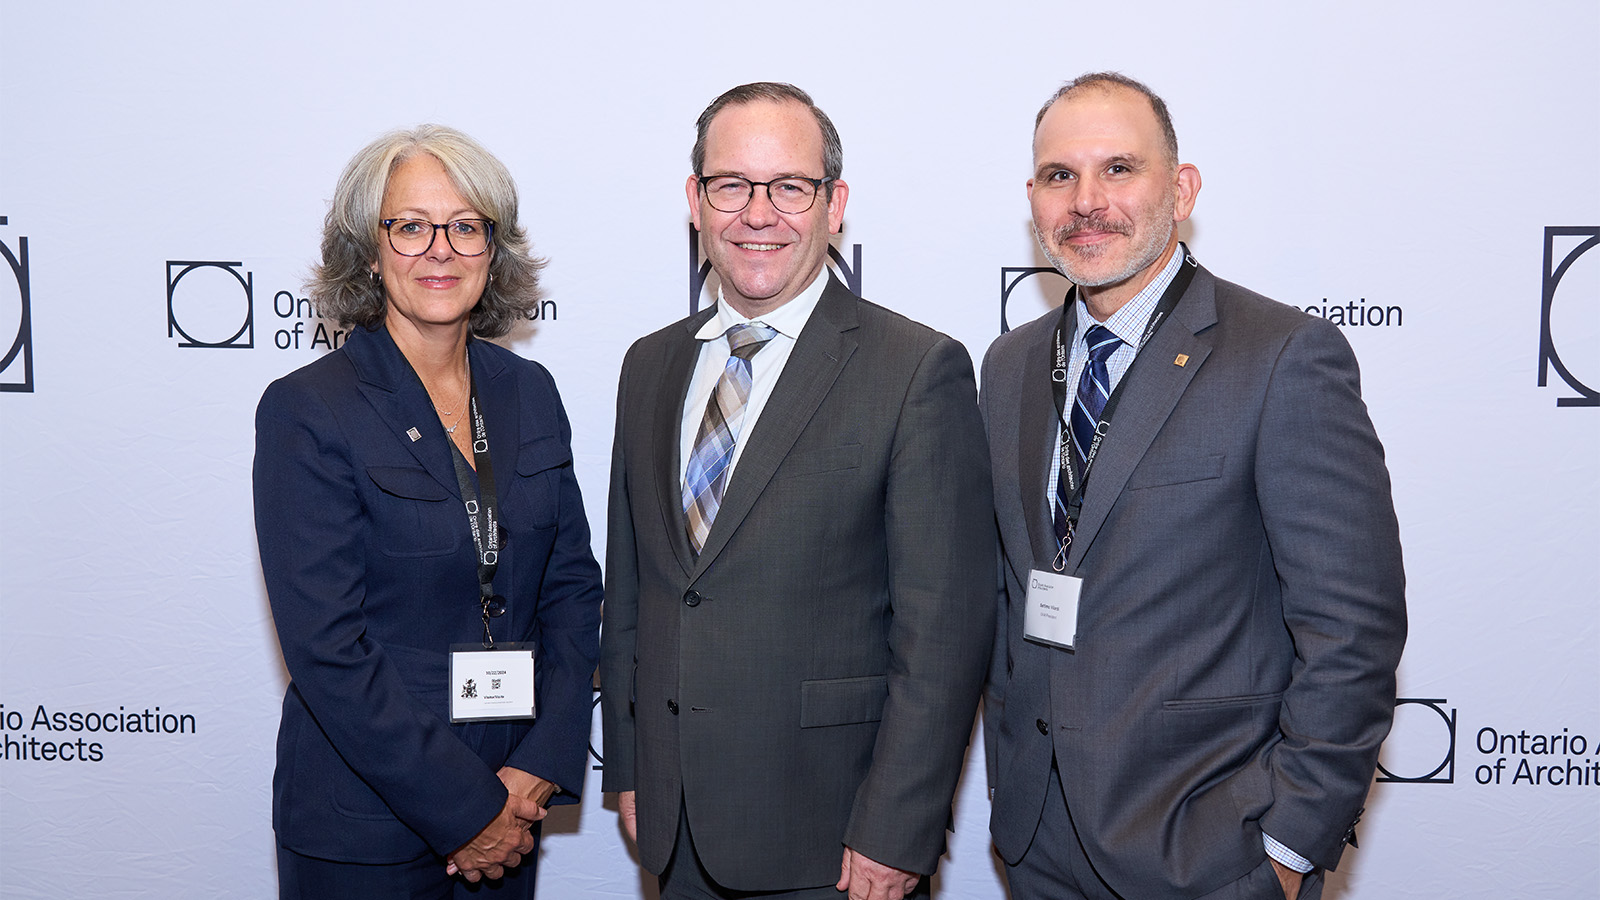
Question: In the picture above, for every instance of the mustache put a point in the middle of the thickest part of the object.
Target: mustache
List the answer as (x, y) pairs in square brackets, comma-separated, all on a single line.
[(1092, 223)]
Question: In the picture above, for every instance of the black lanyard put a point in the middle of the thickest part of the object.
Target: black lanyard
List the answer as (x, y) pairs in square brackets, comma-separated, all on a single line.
[(1076, 480), (482, 514)]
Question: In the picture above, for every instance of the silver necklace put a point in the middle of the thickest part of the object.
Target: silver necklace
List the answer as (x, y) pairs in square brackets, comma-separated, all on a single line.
[(451, 429)]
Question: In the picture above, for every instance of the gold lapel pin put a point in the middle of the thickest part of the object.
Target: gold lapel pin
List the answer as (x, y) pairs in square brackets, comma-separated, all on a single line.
[(1182, 360)]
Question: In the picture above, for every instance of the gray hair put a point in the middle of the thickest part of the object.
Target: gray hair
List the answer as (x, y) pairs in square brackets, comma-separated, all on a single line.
[(1104, 81), (775, 92), (342, 286)]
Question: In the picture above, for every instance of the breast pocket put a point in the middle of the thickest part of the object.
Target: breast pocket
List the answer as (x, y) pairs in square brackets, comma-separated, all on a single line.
[(817, 462), (411, 513), (533, 500), (1184, 470)]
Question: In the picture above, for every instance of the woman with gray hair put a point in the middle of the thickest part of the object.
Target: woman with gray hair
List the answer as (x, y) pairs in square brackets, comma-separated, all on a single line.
[(424, 546)]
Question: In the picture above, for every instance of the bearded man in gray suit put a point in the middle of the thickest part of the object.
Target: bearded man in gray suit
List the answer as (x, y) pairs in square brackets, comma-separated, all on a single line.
[(1203, 601), (801, 550)]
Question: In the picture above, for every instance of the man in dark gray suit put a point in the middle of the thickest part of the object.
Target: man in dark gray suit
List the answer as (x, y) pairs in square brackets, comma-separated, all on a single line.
[(801, 551), (1203, 602)]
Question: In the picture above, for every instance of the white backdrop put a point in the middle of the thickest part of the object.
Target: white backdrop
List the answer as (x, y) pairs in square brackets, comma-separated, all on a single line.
[(1401, 162)]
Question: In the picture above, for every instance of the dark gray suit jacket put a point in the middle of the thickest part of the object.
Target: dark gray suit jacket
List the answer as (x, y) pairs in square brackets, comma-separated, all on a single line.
[(810, 680), (1243, 605)]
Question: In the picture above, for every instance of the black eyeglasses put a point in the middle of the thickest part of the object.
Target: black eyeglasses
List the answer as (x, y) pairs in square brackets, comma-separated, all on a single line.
[(413, 237), (730, 193)]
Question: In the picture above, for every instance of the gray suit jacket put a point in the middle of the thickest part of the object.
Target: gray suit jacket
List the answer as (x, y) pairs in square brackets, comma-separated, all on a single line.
[(1243, 605), (810, 680)]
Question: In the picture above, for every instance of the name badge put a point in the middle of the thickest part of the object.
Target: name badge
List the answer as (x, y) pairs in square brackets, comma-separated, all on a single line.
[(489, 685), (1052, 614)]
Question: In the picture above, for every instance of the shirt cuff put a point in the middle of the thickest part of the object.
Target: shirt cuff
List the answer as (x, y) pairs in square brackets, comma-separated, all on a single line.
[(1284, 855)]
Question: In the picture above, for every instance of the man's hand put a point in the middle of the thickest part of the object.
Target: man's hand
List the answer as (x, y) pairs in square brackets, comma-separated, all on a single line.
[(1288, 879), (500, 844), (628, 808), (524, 784), (865, 879)]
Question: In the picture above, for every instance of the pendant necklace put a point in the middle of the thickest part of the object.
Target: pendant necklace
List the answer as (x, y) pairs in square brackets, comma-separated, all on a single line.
[(451, 429)]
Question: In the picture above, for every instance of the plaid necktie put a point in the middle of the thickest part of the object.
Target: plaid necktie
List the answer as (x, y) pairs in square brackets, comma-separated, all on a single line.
[(1094, 386), (707, 475)]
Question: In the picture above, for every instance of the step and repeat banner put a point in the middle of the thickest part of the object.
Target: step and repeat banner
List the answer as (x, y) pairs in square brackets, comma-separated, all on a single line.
[(1423, 175)]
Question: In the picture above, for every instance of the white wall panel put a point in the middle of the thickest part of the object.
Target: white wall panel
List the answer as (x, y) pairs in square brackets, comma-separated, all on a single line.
[(1408, 157)]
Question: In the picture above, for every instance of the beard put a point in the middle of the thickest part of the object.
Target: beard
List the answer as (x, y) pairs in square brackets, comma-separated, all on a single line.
[(1083, 266)]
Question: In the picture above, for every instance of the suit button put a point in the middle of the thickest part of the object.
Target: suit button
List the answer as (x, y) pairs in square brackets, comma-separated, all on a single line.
[(692, 598), (672, 707), (1044, 727)]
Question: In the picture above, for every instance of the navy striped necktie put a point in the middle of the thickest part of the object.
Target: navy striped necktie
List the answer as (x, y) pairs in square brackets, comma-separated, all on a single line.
[(1094, 386)]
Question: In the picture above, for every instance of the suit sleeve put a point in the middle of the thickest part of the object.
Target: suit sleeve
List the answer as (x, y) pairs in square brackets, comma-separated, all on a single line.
[(568, 614), (939, 518), (312, 528), (1330, 523), (618, 636)]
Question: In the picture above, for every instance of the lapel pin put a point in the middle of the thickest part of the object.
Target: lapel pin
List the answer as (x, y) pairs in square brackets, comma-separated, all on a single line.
[(416, 435), (1182, 360)]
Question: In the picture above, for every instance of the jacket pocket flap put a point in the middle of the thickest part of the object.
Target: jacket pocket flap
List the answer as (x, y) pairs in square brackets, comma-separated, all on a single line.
[(539, 455), (828, 459), (409, 482), (843, 701), (1203, 703)]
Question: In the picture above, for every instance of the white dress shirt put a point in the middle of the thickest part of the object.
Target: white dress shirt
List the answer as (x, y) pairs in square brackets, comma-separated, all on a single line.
[(765, 367)]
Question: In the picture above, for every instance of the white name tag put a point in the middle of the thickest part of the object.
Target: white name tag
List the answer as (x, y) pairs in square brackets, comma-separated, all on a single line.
[(1052, 616), (491, 684)]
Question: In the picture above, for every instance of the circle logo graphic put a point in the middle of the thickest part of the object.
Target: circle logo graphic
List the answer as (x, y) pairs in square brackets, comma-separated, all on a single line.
[(16, 328), (1421, 747), (1569, 321), (1024, 297), (210, 304)]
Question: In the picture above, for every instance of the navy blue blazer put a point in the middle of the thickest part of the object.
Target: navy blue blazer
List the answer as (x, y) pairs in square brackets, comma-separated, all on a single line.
[(371, 573)]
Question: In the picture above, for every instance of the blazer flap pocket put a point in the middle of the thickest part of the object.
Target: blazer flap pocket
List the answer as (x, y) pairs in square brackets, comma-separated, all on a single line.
[(409, 482), (843, 701), (829, 459), (1204, 703), (1176, 471), (544, 453)]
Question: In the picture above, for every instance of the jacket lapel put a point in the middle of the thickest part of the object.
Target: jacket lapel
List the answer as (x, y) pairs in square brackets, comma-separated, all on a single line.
[(677, 369), (1153, 387), (1038, 423), (396, 394), (819, 355)]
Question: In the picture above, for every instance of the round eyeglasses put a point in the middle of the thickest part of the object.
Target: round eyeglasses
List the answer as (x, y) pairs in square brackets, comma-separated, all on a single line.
[(730, 193), (413, 237)]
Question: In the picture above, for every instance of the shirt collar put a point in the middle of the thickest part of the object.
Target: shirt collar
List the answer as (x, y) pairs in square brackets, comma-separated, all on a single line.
[(788, 319), (1129, 322)]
